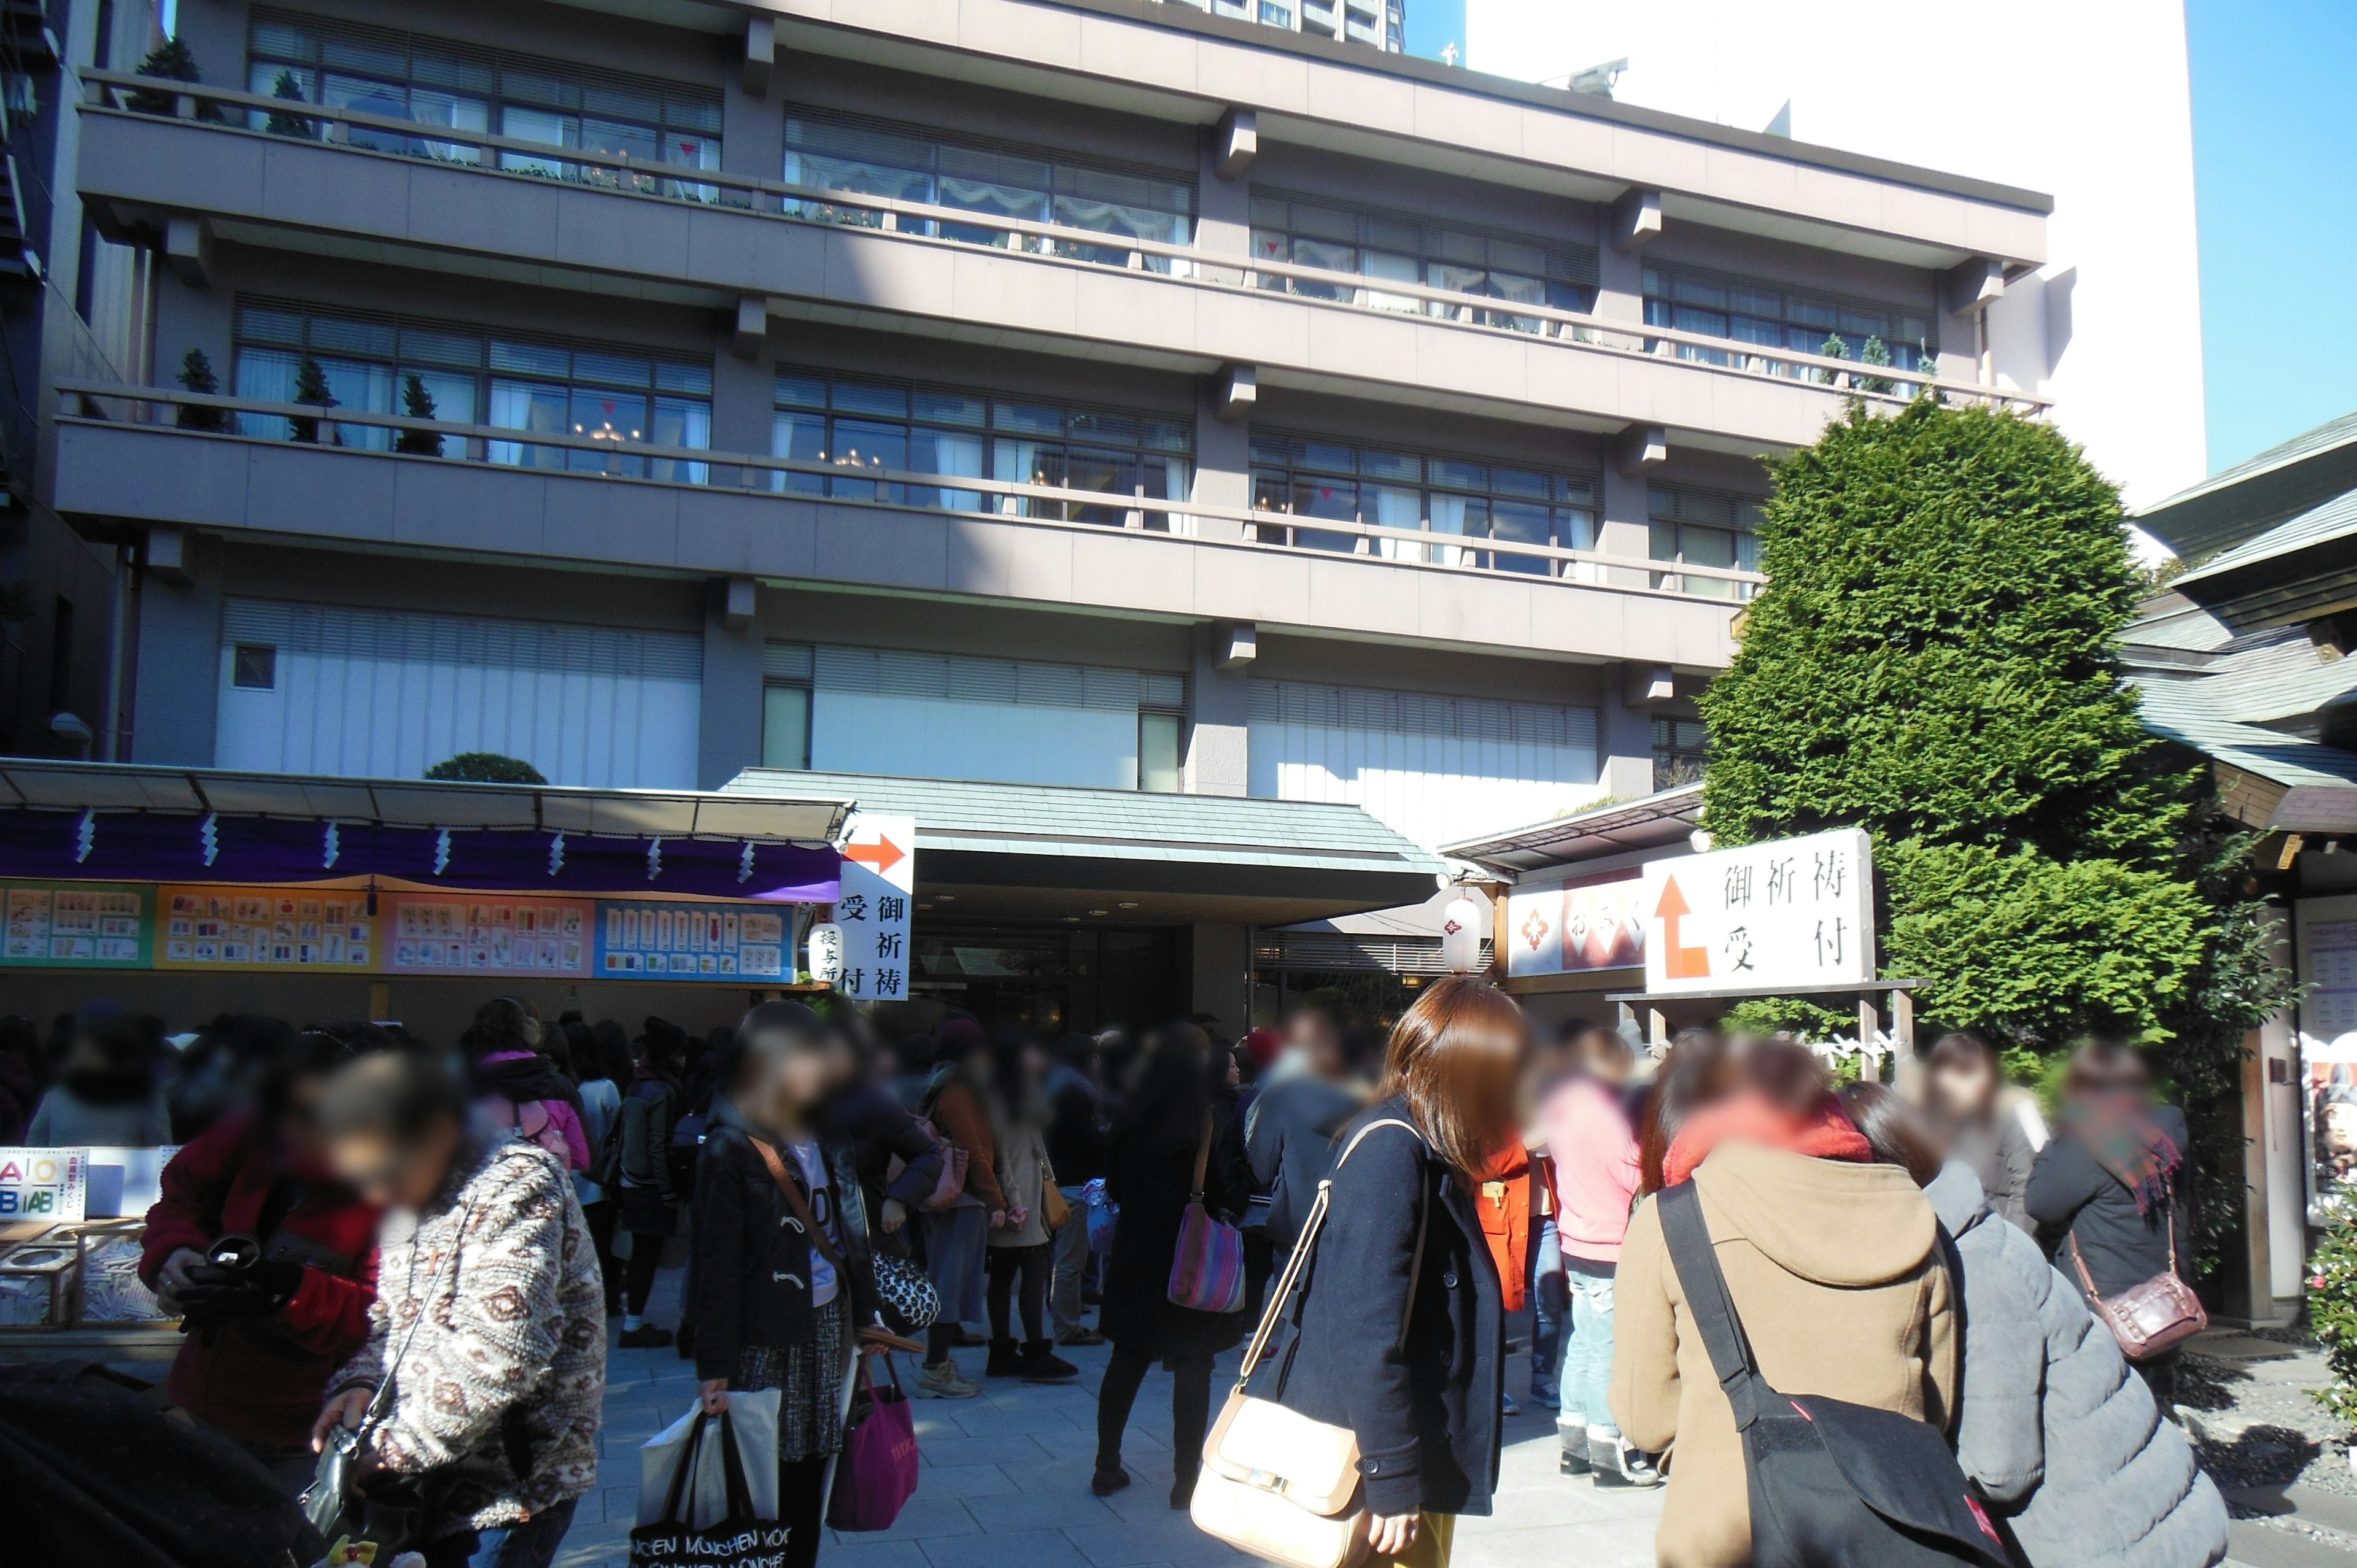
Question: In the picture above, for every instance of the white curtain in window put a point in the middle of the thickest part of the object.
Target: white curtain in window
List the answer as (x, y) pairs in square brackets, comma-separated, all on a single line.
[(1394, 506), (1450, 515)]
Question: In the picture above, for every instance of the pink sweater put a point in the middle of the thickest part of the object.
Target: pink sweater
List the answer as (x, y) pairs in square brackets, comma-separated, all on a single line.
[(1594, 1152)]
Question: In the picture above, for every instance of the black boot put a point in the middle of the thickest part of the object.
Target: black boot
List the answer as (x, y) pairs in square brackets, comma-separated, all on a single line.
[(1042, 1365), (1006, 1360), (1110, 1478)]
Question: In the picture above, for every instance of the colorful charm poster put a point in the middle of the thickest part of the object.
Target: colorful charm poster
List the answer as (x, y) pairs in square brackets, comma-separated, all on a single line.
[(44, 1184), (691, 941), (76, 925), (487, 934), (266, 928)]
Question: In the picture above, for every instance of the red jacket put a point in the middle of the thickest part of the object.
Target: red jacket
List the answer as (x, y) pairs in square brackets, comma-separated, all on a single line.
[(261, 1379)]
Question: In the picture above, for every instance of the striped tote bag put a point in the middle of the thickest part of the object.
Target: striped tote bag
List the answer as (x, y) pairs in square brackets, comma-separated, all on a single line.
[(1207, 1274)]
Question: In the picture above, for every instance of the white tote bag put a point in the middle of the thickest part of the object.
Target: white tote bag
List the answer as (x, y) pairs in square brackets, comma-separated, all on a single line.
[(754, 1417)]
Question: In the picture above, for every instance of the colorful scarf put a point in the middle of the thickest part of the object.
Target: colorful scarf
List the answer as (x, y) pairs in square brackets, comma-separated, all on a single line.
[(2122, 1136), (1825, 1134)]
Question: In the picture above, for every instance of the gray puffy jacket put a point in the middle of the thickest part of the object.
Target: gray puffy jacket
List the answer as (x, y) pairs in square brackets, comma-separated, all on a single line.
[(2057, 1430)]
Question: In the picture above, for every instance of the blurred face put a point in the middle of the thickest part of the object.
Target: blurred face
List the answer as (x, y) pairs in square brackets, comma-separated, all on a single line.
[(2340, 1127), (1968, 1086), (884, 1065), (804, 1076), (298, 1125), (841, 1061), (392, 1175), (1319, 1041)]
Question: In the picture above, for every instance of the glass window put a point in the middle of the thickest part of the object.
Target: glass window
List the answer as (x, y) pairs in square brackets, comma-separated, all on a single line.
[(785, 726), (1774, 316), (255, 667), (862, 424), (860, 157), (1681, 747), (400, 75), (1703, 528), (1397, 248), (1300, 477), (466, 376), (1157, 752)]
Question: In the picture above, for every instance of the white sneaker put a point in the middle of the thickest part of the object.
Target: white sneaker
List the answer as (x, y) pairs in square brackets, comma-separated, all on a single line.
[(944, 1382)]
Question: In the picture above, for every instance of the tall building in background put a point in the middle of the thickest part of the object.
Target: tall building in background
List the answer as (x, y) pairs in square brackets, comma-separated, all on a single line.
[(1383, 23), (2088, 102)]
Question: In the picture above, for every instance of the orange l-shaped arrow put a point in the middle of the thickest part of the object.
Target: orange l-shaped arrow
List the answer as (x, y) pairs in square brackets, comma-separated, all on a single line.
[(880, 856), (1677, 962)]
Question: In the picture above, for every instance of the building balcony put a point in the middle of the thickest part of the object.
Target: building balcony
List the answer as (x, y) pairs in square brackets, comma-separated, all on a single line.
[(341, 182), (131, 460)]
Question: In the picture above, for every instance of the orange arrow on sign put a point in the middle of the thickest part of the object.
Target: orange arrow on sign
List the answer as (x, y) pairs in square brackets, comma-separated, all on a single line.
[(880, 856), (1677, 962)]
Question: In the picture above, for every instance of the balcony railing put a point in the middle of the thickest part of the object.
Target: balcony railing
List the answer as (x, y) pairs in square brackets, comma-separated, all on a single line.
[(216, 418), (930, 224)]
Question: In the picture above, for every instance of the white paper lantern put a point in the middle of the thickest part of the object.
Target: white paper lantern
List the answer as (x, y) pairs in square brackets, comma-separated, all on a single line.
[(1461, 937), (825, 949)]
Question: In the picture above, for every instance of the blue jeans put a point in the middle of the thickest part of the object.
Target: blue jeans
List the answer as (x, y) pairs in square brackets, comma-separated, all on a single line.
[(531, 1544), (1587, 1386), (1547, 1309)]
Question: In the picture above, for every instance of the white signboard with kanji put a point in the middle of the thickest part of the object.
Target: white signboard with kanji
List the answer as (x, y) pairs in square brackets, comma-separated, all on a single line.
[(880, 880), (1793, 912)]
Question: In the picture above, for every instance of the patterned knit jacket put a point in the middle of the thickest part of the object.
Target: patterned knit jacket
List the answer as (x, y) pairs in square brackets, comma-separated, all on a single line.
[(500, 1392)]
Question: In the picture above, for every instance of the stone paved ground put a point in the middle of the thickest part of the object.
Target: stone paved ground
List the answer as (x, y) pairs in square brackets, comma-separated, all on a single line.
[(1007, 1482)]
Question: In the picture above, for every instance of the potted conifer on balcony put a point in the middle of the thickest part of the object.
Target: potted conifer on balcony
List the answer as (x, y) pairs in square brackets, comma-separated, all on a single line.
[(417, 404), (310, 387), (197, 375)]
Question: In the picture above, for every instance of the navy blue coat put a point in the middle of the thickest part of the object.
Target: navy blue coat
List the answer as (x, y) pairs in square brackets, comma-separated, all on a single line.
[(1424, 1404)]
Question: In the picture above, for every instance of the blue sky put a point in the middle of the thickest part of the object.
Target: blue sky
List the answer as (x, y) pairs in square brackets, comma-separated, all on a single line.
[(2275, 168), (2275, 147)]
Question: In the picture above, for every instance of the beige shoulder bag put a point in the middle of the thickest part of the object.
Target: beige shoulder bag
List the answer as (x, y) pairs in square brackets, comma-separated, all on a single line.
[(1274, 1483)]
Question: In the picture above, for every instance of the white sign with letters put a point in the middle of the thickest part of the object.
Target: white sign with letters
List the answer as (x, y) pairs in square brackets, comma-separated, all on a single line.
[(879, 881), (1793, 912)]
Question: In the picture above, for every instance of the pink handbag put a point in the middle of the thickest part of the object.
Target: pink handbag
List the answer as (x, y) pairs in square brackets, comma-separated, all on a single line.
[(877, 1472), (1207, 1272), (953, 1162)]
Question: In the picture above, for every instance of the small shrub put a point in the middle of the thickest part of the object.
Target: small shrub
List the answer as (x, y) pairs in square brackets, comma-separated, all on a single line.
[(197, 375), (417, 404), (311, 387), (486, 768)]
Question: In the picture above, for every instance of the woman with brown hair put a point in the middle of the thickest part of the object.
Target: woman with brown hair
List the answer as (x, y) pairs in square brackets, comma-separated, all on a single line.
[(1399, 1333)]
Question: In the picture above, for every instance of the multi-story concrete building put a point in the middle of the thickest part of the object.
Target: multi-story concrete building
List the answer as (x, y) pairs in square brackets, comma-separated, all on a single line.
[(1162, 426)]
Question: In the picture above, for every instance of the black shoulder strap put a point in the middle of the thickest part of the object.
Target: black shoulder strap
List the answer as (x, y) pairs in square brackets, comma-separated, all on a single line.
[(1696, 1262)]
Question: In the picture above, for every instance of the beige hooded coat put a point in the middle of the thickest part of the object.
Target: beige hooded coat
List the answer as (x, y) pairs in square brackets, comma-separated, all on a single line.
[(1836, 1274)]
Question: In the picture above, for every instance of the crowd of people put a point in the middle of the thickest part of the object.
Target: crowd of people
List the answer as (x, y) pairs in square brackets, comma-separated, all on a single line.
[(436, 1244)]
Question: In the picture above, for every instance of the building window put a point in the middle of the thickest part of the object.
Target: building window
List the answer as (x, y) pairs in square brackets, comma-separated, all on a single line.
[(928, 430), (404, 76), (787, 671), (61, 648), (1157, 752), (1308, 476), (1803, 321), (255, 667), (993, 180), (1396, 248), (601, 391), (1703, 528), (1681, 746)]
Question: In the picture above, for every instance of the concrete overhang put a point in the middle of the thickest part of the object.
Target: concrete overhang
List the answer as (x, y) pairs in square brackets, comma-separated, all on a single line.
[(115, 480), (140, 173), (1175, 63)]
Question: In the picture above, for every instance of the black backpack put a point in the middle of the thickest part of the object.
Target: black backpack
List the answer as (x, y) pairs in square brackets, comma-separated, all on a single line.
[(1833, 1485)]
